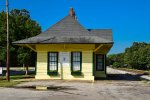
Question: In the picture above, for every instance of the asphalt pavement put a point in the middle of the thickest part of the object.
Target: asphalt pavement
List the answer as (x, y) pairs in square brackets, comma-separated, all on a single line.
[(118, 86)]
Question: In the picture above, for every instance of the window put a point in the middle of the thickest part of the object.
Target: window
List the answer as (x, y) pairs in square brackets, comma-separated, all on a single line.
[(76, 58), (53, 61), (99, 62)]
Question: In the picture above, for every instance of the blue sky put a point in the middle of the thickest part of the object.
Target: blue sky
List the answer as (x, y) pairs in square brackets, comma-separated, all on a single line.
[(129, 19)]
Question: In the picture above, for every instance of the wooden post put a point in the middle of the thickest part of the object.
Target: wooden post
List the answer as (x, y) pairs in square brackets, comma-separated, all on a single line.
[(7, 63)]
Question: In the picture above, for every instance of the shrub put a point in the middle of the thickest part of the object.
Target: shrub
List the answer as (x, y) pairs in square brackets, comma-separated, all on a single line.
[(116, 65)]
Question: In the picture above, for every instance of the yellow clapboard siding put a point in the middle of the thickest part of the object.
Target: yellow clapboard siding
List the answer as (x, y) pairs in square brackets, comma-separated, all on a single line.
[(86, 68), (41, 64), (87, 61)]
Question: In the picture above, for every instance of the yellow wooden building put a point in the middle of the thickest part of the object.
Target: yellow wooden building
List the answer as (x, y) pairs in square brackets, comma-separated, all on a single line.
[(69, 51)]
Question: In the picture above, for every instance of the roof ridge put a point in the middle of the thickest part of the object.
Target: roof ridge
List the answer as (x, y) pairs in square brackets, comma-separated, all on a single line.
[(97, 29)]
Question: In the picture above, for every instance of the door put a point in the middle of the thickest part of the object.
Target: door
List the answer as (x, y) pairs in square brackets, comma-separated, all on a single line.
[(64, 58), (99, 62), (99, 65)]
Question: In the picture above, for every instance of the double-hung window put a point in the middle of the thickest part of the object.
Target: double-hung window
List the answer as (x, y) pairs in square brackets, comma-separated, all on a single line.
[(76, 61), (99, 62), (53, 61)]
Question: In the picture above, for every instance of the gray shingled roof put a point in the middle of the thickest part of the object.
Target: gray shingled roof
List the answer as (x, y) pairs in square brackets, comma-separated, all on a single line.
[(69, 30), (103, 33)]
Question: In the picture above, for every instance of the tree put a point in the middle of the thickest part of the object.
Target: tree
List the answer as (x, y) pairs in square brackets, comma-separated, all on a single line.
[(136, 57), (21, 27), (116, 59)]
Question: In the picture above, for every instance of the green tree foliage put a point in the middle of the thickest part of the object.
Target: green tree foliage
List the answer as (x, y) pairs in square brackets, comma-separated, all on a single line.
[(21, 26), (116, 65), (116, 59), (136, 57)]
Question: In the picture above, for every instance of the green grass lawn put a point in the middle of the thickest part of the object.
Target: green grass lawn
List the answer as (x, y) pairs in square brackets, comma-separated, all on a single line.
[(5, 83), (17, 77), (14, 80)]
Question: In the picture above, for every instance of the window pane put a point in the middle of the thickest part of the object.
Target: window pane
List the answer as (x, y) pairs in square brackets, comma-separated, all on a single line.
[(74, 58), (74, 54), (100, 60), (76, 63), (50, 54), (78, 58), (99, 66), (76, 66), (100, 56), (53, 66), (78, 54), (52, 61)]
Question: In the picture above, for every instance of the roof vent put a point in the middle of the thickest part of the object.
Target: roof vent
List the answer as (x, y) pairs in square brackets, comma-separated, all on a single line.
[(72, 13)]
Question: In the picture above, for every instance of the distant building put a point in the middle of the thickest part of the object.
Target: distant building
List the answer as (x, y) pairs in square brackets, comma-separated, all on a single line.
[(67, 50)]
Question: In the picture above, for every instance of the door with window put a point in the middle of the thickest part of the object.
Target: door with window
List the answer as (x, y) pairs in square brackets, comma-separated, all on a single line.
[(100, 62), (99, 68)]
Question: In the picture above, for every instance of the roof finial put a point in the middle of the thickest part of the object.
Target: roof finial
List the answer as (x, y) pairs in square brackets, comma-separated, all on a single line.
[(72, 13)]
